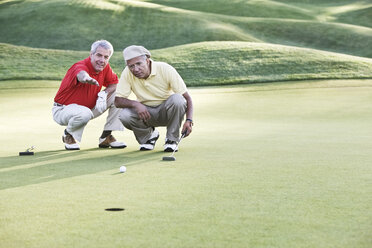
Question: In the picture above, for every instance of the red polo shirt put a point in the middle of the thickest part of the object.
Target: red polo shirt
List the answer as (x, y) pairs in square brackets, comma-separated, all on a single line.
[(73, 91)]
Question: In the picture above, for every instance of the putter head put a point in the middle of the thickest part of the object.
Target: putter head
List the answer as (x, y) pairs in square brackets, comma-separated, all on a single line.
[(169, 158), (172, 158), (27, 152)]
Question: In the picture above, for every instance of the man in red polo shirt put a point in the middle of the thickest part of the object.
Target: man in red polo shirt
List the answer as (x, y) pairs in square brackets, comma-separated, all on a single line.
[(80, 99)]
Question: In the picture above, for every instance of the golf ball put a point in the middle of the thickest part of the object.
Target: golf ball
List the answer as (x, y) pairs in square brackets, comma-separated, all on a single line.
[(123, 169)]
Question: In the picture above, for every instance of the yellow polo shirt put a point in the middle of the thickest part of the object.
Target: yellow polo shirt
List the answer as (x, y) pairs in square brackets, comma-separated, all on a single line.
[(163, 81)]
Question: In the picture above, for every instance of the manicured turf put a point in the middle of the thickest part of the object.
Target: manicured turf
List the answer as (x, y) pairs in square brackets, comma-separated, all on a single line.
[(268, 165), (281, 164)]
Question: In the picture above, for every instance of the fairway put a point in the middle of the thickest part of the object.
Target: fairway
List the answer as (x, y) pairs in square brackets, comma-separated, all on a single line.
[(284, 164)]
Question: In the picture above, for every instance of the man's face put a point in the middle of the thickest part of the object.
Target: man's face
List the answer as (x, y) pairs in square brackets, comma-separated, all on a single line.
[(100, 59), (140, 67)]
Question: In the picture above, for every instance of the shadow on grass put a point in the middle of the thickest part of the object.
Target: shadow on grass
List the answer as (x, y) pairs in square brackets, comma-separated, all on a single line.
[(45, 166)]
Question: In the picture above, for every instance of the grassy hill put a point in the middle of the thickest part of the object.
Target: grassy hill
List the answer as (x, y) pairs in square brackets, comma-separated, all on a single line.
[(270, 9), (209, 42), (206, 63), (348, 11), (73, 25), (362, 16)]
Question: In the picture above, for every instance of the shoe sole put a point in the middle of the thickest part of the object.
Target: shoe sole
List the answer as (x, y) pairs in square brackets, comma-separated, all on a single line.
[(71, 149), (145, 149), (169, 150), (113, 147), (153, 139)]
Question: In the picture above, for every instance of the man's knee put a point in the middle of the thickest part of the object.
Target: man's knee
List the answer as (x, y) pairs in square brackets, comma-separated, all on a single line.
[(126, 116), (177, 100), (80, 117), (84, 117), (77, 114), (72, 113)]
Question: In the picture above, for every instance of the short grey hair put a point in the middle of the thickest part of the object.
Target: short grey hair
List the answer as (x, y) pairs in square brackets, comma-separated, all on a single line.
[(102, 43)]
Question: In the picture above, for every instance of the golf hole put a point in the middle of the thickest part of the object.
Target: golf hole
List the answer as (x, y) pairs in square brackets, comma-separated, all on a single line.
[(114, 209)]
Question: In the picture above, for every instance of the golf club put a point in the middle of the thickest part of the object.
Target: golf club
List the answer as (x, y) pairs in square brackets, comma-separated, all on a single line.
[(171, 157)]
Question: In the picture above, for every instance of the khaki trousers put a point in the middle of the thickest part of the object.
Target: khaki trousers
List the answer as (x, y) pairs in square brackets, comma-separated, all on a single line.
[(75, 117), (169, 114)]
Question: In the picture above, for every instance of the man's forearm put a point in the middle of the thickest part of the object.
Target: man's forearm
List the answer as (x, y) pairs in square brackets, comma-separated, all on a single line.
[(110, 89), (190, 107), (121, 102)]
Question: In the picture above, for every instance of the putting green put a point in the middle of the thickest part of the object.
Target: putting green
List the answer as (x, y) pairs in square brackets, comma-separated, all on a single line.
[(268, 165)]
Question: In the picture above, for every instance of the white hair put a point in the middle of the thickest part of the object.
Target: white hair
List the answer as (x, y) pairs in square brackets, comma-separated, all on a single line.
[(102, 43)]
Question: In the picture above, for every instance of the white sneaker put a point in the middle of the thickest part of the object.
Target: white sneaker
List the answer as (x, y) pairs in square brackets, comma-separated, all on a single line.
[(69, 141), (110, 141), (170, 146), (150, 143)]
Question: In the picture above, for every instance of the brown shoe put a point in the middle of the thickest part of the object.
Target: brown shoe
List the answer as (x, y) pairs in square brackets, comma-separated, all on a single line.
[(110, 141), (70, 143)]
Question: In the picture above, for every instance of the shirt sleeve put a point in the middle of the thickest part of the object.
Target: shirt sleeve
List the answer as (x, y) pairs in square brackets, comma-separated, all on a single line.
[(124, 87), (71, 75), (176, 82)]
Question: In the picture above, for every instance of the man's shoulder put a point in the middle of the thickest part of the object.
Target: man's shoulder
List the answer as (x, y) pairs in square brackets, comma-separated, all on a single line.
[(81, 63)]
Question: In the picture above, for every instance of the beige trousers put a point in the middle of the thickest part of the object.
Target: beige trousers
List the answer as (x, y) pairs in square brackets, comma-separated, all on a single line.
[(75, 117), (169, 114)]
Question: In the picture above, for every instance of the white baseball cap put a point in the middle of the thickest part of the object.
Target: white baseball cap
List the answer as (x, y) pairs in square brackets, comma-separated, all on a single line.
[(135, 51)]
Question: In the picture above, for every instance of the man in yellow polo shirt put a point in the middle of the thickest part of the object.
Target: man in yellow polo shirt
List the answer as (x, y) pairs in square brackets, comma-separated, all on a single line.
[(162, 99)]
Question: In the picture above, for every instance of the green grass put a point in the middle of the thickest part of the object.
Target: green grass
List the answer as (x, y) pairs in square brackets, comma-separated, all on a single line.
[(74, 25), (205, 44), (361, 17), (207, 63), (281, 164), (275, 165), (270, 9)]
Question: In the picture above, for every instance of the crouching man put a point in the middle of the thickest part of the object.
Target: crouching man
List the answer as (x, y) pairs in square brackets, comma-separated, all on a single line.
[(80, 99), (162, 100)]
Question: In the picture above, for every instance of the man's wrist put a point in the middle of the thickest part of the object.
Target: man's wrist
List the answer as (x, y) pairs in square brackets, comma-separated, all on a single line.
[(190, 120)]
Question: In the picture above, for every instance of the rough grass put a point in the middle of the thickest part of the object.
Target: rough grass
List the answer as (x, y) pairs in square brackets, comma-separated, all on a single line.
[(299, 177), (208, 63), (269, 9), (74, 25), (360, 16)]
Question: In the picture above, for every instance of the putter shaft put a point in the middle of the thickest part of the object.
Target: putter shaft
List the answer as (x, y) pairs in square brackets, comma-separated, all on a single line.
[(179, 141)]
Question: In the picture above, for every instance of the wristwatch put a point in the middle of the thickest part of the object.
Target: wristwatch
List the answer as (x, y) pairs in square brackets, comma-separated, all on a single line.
[(192, 123)]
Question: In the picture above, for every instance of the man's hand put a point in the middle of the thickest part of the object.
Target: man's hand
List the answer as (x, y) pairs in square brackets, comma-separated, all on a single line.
[(142, 112), (101, 103), (187, 127), (84, 77), (140, 108)]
